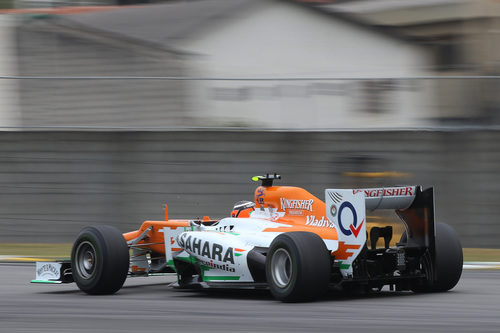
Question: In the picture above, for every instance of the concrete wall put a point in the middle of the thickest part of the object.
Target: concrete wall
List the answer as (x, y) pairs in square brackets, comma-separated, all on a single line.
[(54, 183), (9, 112)]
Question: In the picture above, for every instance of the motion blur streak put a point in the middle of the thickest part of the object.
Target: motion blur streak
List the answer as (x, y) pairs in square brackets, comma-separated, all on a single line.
[(54, 183)]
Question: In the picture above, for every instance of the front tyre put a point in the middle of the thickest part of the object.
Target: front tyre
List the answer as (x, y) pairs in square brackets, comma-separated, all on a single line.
[(100, 260), (298, 267)]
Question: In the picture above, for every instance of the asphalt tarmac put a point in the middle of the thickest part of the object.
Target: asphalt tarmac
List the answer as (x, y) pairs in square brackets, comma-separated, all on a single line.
[(150, 305)]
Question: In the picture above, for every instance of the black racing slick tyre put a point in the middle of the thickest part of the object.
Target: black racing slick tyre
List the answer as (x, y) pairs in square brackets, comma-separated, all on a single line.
[(100, 260), (449, 258), (448, 266), (298, 267)]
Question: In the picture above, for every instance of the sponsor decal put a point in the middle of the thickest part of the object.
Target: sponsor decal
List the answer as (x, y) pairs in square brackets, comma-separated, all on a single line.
[(295, 212), (388, 192), (206, 249), (296, 204), (48, 271), (211, 264), (353, 227), (333, 210), (323, 222), (260, 195)]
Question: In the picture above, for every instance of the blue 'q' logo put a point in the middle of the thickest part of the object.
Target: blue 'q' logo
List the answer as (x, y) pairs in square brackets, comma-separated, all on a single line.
[(347, 204)]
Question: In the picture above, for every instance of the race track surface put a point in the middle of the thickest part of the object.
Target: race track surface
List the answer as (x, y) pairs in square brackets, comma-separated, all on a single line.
[(149, 305)]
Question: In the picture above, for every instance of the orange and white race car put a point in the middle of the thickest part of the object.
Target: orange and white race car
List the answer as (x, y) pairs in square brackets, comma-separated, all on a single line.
[(288, 241)]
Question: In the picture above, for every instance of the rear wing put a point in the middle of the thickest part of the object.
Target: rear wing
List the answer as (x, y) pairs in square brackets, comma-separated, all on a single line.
[(419, 221), (400, 197), (414, 206)]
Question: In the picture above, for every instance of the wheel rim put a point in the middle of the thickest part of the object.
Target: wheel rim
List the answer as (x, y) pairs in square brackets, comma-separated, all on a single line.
[(281, 268), (86, 259)]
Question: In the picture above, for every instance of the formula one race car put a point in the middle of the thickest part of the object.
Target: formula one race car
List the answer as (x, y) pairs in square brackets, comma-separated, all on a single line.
[(288, 241)]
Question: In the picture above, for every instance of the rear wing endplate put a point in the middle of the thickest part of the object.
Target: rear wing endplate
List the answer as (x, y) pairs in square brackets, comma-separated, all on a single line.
[(347, 210)]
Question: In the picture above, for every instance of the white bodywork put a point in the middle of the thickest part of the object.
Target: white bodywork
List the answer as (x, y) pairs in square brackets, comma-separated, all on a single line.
[(221, 250), (346, 208)]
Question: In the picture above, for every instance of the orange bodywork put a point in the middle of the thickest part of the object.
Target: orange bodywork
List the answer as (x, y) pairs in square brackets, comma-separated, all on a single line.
[(303, 211), (155, 239), (298, 209)]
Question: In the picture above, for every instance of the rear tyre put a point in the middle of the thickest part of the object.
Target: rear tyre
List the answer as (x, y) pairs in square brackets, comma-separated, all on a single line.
[(298, 267), (448, 266), (100, 260)]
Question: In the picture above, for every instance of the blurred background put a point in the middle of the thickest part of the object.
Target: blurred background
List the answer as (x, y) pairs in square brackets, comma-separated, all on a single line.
[(110, 109)]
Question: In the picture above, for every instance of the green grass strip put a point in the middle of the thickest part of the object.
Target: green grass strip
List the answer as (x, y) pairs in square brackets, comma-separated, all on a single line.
[(474, 254), (36, 250)]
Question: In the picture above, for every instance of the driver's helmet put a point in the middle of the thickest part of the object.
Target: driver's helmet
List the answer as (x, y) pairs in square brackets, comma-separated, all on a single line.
[(243, 209)]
